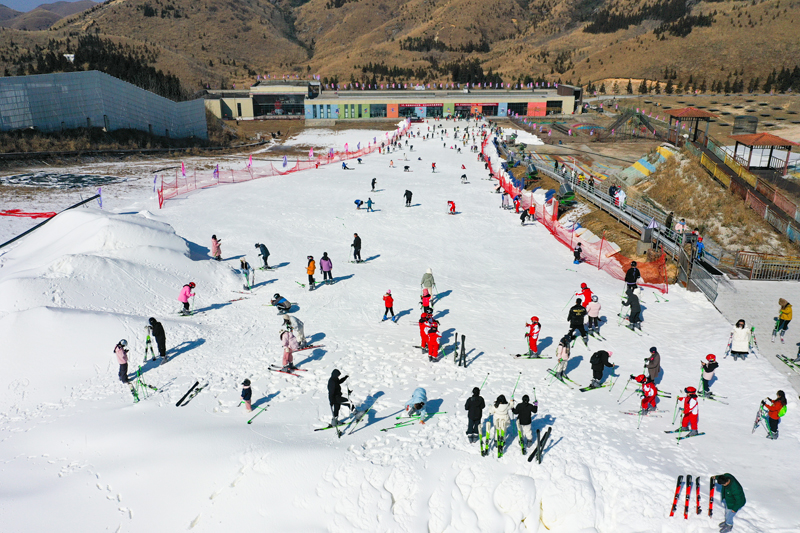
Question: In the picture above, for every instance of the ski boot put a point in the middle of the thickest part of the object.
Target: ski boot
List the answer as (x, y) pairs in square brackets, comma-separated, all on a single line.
[(692, 433)]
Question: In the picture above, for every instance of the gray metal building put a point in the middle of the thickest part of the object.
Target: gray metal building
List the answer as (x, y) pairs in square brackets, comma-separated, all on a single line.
[(55, 102)]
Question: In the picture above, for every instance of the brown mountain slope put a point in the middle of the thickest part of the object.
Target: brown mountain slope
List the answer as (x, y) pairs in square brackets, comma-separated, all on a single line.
[(66, 9), (38, 19), (8, 13)]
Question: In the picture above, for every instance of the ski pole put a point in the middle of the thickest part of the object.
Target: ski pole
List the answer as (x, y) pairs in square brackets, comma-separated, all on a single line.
[(568, 302), (192, 310), (515, 385), (675, 411), (623, 390), (534, 395), (484, 380)]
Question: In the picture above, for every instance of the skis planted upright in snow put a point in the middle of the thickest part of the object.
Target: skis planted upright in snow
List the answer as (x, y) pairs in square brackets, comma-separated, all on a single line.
[(677, 494)]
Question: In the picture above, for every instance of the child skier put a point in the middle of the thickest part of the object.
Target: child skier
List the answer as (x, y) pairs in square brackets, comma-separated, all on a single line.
[(516, 203), (369, 205), (784, 317), (649, 393), (563, 356), (186, 293), (776, 409), (709, 366), (290, 346), (216, 248), (474, 408), (593, 312), (740, 340), (264, 253), (576, 254), (423, 330), (425, 300), (122, 358), (310, 269), (452, 207), (388, 303), (533, 336), (326, 265), (295, 325), (500, 420), (416, 405), (433, 339), (599, 361), (247, 394), (690, 411), (525, 412), (281, 303), (335, 396), (358, 203), (246, 270), (585, 293)]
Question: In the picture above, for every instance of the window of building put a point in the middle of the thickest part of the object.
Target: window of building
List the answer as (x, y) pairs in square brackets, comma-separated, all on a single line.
[(554, 107), (352, 110), (278, 104), (377, 110), (359, 110), (433, 111), (518, 108), (346, 111), (314, 111), (407, 112), (328, 110), (239, 110), (489, 110)]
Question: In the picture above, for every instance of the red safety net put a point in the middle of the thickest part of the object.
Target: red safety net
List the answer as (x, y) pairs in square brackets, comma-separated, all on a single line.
[(18, 213), (600, 254), (190, 181)]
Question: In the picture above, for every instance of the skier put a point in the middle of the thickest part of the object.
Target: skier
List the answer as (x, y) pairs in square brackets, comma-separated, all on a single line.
[(433, 339), (416, 405), (186, 293), (407, 196), (388, 303), (425, 301), (522, 217), (503, 199), (632, 275), (369, 205), (160, 337), (216, 248), (576, 254), (335, 396), (122, 358), (247, 394), (281, 303), (599, 362), (356, 248), (358, 203), (593, 312), (634, 319), (709, 366), (732, 495), (391, 163), (533, 336), (345, 167), (264, 253), (563, 356), (776, 409), (500, 420), (586, 293), (310, 269), (516, 204), (427, 280), (474, 407), (245, 268), (525, 412), (649, 393), (423, 330), (433, 167), (653, 363), (374, 180), (784, 317), (295, 326), (690, 411), (740, 340), (452, 207), (575, 318), (289, 343)]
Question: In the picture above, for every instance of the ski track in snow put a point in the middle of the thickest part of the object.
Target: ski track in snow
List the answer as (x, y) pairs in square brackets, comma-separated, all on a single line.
[(70, 436)]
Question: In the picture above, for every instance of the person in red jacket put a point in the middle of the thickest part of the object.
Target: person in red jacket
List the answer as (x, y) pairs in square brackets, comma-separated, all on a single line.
[(690, 411), (426, 300), (649, 393), (516, 204), (433, 339), (586, 293), (423, 333), (533, 335), (775, 409), (452, 205), (388, 303)]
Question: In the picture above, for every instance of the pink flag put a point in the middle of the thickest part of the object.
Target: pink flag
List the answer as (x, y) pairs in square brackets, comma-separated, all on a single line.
[(183, 169), (250, 161), (345, 147), (311, 153)]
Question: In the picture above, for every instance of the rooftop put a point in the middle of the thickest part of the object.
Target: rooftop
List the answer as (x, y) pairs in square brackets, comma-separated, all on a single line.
[(690, 112), (762, 139)]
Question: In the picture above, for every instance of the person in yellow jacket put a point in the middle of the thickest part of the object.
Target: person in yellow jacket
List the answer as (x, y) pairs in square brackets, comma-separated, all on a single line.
[(784, 317), (312, 267)]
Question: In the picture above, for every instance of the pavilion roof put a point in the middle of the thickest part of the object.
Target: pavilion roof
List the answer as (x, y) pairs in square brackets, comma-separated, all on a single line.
[(690, 112), (762, 139)]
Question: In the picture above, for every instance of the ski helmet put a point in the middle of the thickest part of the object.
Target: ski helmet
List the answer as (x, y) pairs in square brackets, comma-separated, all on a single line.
[(594, 298), (699, 239), (690, 390), (192, 285), (123, 343), (310, 257), (152, 321), (256, 245), (246, 383), (640, 378), (534, 319), (711, 357), (525, 398), (583, 285), (653, 349), (276, 295), (429, 271), (476, 391), (633, 263)]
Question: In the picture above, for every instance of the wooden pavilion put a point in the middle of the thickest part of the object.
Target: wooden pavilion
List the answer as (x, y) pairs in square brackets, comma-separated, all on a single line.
[(693, 117), (762, 141)]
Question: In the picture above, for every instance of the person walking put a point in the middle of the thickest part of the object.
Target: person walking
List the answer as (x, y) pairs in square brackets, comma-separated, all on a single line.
[(388, 304), (732, 496), (356, 248), (784, 317), (326, 265), (474, 407), (216, 248), (335, 396)]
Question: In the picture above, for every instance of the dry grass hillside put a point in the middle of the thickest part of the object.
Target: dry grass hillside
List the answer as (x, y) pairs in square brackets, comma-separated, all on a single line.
[(233, 40), (43, 16)]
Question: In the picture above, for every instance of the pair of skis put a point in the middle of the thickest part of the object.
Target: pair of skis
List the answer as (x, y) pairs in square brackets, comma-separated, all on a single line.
[(789, 362), (698, 508), (562, 380), (682, 437), (286, 370), (541, 442), (193, 391)]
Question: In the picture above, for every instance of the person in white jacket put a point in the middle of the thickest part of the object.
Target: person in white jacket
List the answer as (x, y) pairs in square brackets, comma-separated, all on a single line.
[(740, 340), (593, 312), (500, 419), (295, 325)]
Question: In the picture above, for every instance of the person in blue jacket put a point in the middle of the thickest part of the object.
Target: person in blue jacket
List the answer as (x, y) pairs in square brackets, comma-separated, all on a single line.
[(417, 404)]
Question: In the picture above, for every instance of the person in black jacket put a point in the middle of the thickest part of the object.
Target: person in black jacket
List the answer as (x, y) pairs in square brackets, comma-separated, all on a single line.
[(576, 316), (634, 318), (599, 361), (408, 195), (631, 277), (525, 412), (474, 408), (356, 248), (335, 396), (160, 336)]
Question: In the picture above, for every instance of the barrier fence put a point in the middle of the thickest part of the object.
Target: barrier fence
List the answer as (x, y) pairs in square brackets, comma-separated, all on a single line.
[(184, 183)]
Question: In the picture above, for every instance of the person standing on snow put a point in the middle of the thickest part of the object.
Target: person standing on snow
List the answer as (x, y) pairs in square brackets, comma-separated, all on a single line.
[(325, 264), (525, 412), (586, 293), (121, 352), (425, 301), (576, 315), (216, 248), (356, 248), (423, 330), (474, 407), (247, 394), (709, 366), (516, 204), (417, 404), (784, 317), (533, 336), (183, 297), (649, 393), (653, 363), (776, 409), (374, 180), (289, 343), (310, 269), (593, 312), (295, 326), (634, 317), (246, 270), (160, 337), (433, 339), (500, 420), (732, 495), (388, 304), (562, 352), (599, 361), (408, 194), (427, 280), (690, 411), (369, 205), (451, 205), (335, 396), (632, 276), (740, 340), (264, 253), (576, 255)]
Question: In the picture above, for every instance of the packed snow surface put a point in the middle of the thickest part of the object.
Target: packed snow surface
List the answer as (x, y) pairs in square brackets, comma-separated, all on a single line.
[(78, 455)]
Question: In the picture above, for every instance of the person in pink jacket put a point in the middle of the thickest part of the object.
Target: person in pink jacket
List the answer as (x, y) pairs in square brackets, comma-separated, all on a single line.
[(186, 293), (122, 359), (290, 346), (562, 352), (216, 248), (593, 312)]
